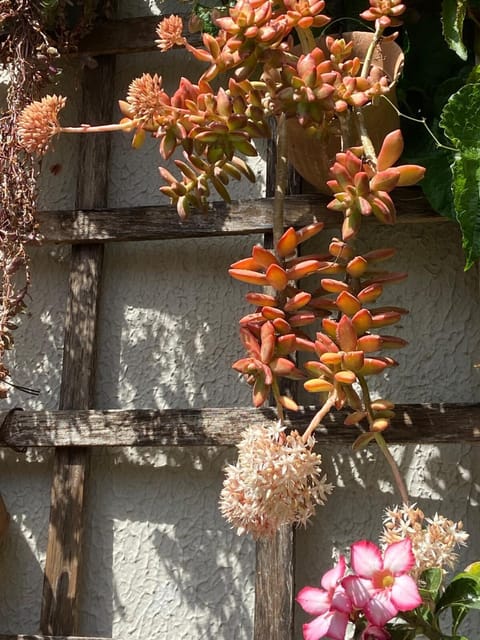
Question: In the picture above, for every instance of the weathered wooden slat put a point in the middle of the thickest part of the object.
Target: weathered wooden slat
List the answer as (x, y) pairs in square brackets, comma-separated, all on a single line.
[(131, 35), (426, 423), (239, 218), (59, 613), (21, 636), (423, 423)]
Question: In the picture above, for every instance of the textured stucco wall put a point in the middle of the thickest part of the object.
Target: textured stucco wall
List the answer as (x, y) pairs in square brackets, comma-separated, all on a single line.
[(160, 562)]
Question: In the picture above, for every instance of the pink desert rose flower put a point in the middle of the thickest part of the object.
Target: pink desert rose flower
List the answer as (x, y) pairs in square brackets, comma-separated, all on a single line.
[(381, 586), (330, 604)]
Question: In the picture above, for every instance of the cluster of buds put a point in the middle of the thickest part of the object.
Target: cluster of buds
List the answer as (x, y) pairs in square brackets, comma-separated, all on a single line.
[(385, 13), (274, 332), (361, 187), (348, 345)]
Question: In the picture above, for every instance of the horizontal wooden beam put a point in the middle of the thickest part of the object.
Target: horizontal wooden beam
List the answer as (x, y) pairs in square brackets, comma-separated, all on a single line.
[(414, 423), (239, 218)]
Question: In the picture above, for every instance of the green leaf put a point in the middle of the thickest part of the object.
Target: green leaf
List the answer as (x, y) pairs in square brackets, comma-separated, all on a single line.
[(472, 571), (464, 592), (363, 441), (461, 122), (437, 182), (430, 582), (461, 117), (466, 198), (453, 16)]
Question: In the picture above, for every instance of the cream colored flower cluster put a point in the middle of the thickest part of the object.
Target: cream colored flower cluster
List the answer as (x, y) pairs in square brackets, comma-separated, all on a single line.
[(434, 540), (277, 480)]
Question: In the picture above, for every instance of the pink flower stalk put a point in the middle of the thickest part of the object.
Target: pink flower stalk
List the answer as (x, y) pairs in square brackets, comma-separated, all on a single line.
[(382, 586), (330, 604)]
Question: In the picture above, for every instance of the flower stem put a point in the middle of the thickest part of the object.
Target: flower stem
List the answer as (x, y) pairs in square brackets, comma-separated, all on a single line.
[(397, 476), (371, 49), (101, 128), (319, 416), (380, 440)]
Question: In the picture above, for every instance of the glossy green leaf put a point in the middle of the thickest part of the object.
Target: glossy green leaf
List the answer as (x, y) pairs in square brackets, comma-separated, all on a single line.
[(453, 16), (464, 592), (472, 571)]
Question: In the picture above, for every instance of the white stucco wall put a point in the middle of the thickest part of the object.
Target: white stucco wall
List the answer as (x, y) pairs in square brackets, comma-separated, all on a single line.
[(159, 561)]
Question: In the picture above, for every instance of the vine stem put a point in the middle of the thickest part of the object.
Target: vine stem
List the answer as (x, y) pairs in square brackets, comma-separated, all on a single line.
[(319, 416), (382, 445), (423, 121)]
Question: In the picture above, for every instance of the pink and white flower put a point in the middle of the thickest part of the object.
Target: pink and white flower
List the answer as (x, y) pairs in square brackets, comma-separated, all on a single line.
[(382, 586), (330, 605)]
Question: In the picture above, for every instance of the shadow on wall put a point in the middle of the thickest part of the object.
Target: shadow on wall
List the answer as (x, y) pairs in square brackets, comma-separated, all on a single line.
[(157, 539), (169, 325), (26, 490)]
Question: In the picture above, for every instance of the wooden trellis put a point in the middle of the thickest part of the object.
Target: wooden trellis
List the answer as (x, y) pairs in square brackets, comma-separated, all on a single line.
[(76, 426)]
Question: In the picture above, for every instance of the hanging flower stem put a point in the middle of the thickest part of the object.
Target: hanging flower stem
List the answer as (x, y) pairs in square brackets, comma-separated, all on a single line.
[(319, 416), (380, 440)]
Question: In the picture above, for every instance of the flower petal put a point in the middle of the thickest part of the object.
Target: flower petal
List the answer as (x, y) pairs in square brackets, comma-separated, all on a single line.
[(332, 624), (405, 594), (341, 601), (331, 578), (318, 628), (358, 590), (366, 558), (380, 609), (314, 601), (398, 557)]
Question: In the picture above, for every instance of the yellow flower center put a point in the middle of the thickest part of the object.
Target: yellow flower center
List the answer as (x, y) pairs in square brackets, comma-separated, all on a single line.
[(383, 579)]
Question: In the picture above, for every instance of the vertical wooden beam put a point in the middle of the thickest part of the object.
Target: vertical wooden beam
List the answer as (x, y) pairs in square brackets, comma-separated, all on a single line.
[(274, 586), (275, 558), (59, 614)]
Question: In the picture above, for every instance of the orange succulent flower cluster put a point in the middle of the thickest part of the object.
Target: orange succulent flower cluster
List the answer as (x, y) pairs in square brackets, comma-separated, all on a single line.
[(362, 188), (349, 341), (347, 345), (386, 12), (215, 128), (275, 330)]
